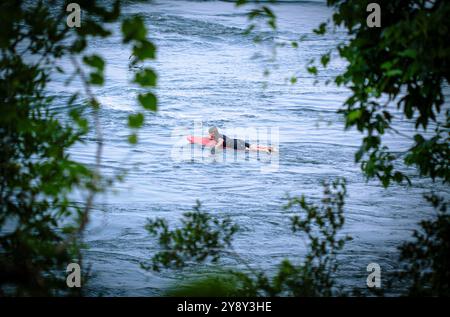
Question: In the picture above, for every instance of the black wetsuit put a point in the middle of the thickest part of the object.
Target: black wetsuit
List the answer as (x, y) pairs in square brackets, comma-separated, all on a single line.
[(236, 144)]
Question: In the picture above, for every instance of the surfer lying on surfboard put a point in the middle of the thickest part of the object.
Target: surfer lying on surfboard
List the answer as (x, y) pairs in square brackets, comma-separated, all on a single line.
[(225, 142)]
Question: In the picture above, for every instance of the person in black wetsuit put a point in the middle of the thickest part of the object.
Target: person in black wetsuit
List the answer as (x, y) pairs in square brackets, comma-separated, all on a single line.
[(225, 142)]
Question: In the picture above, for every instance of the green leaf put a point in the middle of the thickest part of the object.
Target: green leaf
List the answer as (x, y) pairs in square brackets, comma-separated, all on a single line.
[(144, 50), (312, 70), (354, 115), (94, 61), (359, 154), (321, 29), (398, 177), (94, 103), (136, 120), (394, 72), (272, 24), (249, 29), (254, 14), (408, 53), (72, 99), (93, 28), (133, 29), (386, 65), (268, 12), (325, 59), (78, 45), (132, 139), (96, 79), (146, 78), (148, 101)]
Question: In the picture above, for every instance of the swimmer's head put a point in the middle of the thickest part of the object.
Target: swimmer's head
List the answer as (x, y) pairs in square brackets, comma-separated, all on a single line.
[(213, 133)]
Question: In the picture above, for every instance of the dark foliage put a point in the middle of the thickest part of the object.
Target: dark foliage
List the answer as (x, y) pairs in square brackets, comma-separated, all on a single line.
[(201, 237), (40, 228)]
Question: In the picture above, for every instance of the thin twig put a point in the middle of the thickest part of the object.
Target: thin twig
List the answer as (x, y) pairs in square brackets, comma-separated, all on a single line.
[(99, 139), (400, 133), (98, 155)]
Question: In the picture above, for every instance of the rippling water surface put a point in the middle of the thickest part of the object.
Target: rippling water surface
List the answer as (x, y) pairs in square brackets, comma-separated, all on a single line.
[(210, 73)]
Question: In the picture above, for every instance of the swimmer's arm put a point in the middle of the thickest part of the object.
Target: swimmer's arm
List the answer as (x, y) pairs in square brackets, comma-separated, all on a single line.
[(217, 146)]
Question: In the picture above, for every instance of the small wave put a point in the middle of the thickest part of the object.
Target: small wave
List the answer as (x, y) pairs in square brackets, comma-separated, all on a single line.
[(117, 103)]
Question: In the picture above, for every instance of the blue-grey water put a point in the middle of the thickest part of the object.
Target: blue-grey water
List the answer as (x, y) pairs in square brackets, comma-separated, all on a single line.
[(210, 73)]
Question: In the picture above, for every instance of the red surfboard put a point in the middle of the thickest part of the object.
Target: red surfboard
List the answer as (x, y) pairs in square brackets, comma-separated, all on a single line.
[(201, 140)]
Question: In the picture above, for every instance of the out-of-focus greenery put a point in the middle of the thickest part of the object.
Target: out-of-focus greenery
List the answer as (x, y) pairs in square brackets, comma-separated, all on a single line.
[(212, 285), (426, 259), (321, 225), (200, 238), (403, 64), (40, 228), (311, 276)]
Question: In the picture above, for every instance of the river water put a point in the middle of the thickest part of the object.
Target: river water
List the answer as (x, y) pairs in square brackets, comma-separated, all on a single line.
[(210, 73)]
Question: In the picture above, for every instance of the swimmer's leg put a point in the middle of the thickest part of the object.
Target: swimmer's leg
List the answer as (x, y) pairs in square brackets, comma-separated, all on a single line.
[(254, 147)]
